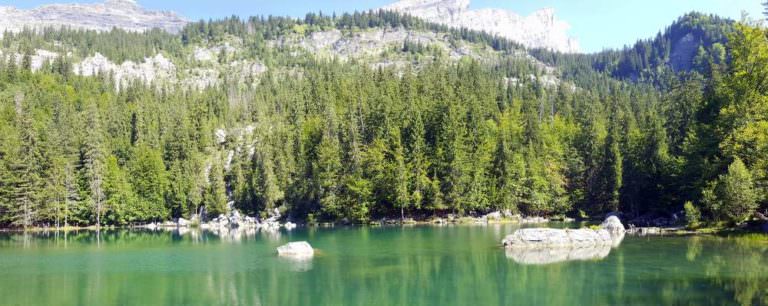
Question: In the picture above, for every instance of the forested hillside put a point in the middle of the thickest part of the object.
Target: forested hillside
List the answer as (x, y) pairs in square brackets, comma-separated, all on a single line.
[(325, 138), (688, 45)]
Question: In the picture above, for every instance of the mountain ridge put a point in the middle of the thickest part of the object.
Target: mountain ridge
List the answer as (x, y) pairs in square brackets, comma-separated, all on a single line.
[(541, 29), (123, 14)]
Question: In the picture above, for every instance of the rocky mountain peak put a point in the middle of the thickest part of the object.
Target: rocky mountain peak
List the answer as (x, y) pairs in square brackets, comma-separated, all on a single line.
[(121, 3), (445, 4), (124, 14), (541, 29)]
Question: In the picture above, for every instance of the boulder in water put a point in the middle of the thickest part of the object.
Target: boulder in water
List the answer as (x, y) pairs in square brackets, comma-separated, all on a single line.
[(300, 249), (549, 237)]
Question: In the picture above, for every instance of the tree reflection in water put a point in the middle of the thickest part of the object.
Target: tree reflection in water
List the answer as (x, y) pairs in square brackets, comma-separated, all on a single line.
[(370, 266)]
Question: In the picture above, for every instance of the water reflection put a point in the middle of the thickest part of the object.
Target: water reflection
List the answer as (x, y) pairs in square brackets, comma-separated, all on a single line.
[(370, 266), (297, 264), (544, 256)]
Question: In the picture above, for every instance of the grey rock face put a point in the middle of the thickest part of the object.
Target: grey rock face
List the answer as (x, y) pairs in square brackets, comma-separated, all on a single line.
[(123, 14), (539, 30)]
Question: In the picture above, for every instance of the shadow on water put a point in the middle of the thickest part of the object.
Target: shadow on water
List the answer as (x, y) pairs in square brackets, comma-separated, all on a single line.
[(454, 265)]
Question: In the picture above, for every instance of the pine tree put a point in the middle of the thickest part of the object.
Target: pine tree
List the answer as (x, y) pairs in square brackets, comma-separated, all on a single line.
[(149, 178), (613, 168), (326, 168), (93, 162), (265, 182), (215, 197), (398, 174), (24, 165)]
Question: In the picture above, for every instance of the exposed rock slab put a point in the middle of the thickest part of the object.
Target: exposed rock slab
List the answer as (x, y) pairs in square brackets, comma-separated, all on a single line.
[(538, 30), (123, 14)]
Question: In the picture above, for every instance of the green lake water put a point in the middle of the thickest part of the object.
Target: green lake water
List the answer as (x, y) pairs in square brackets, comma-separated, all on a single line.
[(455, 265)]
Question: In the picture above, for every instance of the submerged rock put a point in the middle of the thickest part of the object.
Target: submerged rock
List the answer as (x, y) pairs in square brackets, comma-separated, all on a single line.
[(300, 249)]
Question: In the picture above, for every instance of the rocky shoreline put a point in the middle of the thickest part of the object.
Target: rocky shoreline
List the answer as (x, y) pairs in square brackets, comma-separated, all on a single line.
[(236, 221)]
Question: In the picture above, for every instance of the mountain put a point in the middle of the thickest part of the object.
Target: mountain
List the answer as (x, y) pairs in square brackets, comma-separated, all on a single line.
[(357, 117), (538, 30), (123, 14), (689, 44)]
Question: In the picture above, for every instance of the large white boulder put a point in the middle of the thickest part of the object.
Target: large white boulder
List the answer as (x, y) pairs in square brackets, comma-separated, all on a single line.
[(300, 249), (612, 224), (549, 237), (541, 246)]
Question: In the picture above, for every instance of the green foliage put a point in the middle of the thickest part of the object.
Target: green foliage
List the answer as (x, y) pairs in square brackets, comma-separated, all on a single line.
[(732, 197), (150, 180), (660, 58), (327, 140), (215, 196), (692, 214), (737, 192)]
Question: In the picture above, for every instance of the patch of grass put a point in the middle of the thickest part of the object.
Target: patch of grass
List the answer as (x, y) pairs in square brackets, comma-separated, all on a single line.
[(750, 238)]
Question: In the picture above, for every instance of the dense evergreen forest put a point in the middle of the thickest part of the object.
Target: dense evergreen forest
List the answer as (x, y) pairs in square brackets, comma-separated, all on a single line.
[(689, 44), (636, 131)]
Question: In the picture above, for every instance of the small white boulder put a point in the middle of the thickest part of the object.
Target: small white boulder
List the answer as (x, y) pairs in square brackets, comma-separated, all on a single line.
[(300, 249)]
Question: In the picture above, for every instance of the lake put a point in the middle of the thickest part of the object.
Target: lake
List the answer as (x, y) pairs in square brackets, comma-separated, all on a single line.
[(422, 265)]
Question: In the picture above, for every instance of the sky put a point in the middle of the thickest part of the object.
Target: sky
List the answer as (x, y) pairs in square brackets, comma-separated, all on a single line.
[(596, 24)]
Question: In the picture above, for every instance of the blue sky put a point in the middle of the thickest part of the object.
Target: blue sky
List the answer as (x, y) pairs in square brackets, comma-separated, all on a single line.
[(597, 24)]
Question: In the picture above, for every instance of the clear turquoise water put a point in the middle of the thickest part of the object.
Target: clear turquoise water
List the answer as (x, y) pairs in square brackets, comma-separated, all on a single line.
[(461, 265)]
